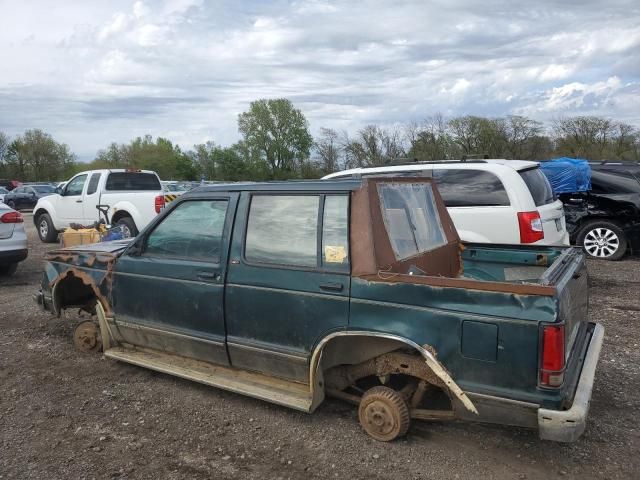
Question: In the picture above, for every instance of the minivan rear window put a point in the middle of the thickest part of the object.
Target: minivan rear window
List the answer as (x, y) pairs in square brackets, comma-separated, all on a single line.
[(132, 181), (470, 188), (538, 185)]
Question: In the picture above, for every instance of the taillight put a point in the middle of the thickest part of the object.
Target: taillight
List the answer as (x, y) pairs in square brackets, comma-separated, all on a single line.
[(159, 203), (530, 227), (11, 217), (552, 368)]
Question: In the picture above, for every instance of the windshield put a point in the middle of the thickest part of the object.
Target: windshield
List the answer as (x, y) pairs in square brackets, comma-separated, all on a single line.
[(411, 218), (44, 188), (538, 185), (3, 190)]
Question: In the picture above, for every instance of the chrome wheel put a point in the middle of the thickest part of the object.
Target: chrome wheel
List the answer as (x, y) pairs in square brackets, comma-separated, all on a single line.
[(601, 242), (44, 228)]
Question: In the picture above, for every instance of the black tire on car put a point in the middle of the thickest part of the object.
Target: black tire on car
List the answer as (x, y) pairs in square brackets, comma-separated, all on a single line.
[(129, 226), (9, 269), (11, 204), (603, 239), (46, 230)]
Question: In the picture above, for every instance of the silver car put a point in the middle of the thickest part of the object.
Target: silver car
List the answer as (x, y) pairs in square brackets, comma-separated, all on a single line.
[(13, 240)]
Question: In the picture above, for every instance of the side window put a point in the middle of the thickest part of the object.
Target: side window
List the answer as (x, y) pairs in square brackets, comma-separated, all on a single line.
[(283, 230), (335, 232), (18, 190), (93, 183), (75, 186), (470, 188), (192, 230)]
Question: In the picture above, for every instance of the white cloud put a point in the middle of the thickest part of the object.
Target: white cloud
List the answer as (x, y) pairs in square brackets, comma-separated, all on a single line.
[(100, 72)]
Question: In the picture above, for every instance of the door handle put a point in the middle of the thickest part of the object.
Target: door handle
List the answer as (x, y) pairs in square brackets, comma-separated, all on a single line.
[(331, 287), (78, 201), (208, 276)]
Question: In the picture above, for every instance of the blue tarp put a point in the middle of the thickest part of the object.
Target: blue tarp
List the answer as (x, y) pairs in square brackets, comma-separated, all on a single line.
[(567, 175)]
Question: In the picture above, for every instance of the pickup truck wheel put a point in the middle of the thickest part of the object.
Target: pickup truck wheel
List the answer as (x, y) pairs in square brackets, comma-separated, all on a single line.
[(604, 240), (46, 231), (86, 337), (128, 227), (384, 414)]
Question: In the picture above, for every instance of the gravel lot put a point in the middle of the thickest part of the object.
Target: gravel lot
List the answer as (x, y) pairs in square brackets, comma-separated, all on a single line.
[(67, 415)]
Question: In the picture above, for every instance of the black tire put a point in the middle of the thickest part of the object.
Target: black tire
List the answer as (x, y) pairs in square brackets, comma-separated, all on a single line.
[(8, 270), (12, 204), (603, 239), (46, 230), (127, 223), (384, 414)]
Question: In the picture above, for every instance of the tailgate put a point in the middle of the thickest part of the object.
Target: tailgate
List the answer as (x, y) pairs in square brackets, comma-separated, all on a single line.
[(569, 275)]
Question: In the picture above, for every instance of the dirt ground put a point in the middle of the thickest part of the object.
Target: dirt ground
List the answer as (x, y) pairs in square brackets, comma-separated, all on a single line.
[(67, 415)]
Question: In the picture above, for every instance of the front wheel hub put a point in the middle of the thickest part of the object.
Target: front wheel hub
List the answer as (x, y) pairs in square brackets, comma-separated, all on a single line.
[(601, 242), (86, 337)]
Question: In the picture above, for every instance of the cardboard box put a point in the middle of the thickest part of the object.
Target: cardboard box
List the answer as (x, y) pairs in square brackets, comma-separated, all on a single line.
[(71, 237)]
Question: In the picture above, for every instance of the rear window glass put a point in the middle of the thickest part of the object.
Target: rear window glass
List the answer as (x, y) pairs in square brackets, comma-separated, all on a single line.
[(410, 218), (470, 188), (539, 186), (132, 181)]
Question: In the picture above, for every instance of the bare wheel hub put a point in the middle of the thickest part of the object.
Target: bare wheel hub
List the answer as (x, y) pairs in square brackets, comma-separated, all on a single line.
[(86, 337), (384, 414)]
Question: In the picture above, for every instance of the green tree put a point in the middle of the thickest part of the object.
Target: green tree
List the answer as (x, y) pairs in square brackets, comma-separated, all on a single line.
[(278, 133), (36, 156)]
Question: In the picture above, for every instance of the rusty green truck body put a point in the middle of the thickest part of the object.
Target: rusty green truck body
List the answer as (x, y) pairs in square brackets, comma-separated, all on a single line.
[(289, 291)]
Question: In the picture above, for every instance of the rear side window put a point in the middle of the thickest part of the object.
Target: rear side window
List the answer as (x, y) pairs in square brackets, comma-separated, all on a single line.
[(538, 185), (613, 183), (470, 188), (124, 181), (283, 230), (93, 183)]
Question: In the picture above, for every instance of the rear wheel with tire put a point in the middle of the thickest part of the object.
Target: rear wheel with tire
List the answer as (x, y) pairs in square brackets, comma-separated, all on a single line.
[(128, 227), (11, 204), (8, 270), (603, 239), (46, 230), (384, 414)]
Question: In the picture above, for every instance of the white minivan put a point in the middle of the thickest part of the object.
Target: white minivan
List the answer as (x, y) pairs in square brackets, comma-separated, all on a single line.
[(490, 201)]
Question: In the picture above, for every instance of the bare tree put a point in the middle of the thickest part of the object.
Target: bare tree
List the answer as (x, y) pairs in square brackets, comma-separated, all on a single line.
[(328, 149), (584, 136)]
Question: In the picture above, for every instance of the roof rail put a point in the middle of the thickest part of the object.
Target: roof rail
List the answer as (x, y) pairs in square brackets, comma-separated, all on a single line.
[(415, 161)]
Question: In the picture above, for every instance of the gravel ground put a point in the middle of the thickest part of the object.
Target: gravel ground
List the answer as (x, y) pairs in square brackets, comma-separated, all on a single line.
[(65, 415)]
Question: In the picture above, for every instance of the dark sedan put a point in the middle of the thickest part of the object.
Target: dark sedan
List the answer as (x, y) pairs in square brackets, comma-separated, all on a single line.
[(27, 196)]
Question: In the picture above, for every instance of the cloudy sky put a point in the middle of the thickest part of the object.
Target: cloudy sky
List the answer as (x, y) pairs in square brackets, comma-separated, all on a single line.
[(93, 72)]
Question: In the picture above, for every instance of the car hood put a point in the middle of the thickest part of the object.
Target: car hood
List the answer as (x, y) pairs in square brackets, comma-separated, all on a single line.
[(114, 246)]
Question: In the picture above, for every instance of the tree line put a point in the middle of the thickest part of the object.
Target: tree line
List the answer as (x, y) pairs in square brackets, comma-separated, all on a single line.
[(276, 144)]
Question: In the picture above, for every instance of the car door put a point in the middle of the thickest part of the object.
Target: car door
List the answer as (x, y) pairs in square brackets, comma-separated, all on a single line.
[(289, 280), (168, 290), (92, 198), (30, 198), (15, 198), (69, 207)]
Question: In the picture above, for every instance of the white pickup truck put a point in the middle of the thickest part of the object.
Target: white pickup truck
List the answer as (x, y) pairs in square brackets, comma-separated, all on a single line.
[(134, 198)]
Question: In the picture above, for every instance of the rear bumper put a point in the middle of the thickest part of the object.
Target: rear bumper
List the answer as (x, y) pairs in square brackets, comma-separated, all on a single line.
[(568, 425), (13, 256)]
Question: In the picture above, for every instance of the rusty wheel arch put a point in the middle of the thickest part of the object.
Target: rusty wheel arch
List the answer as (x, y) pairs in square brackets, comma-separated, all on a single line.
[(434, 371), (62, 298)]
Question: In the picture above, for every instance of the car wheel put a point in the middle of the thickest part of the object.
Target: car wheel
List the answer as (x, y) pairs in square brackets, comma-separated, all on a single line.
[(603, 239), (11, 204), (46, 231), (8, 270), (128, 227), (384, 414)]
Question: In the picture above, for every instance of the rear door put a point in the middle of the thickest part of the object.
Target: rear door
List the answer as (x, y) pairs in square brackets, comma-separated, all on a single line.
[(550, 209), (289, 280), (169, 294)]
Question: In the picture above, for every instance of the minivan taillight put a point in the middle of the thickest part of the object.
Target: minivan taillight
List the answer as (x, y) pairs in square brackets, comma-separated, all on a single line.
[(552, 368), (11, 217), (159, 203), (530, 227)]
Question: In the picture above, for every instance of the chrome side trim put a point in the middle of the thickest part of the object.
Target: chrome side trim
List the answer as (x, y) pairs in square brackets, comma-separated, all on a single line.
[(316, 377), (167, 279), (344, 298), (508, 401), (267, 351), (160, 331)]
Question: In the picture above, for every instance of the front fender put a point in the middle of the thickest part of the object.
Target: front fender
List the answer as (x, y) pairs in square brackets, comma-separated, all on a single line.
[(48, 205)]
